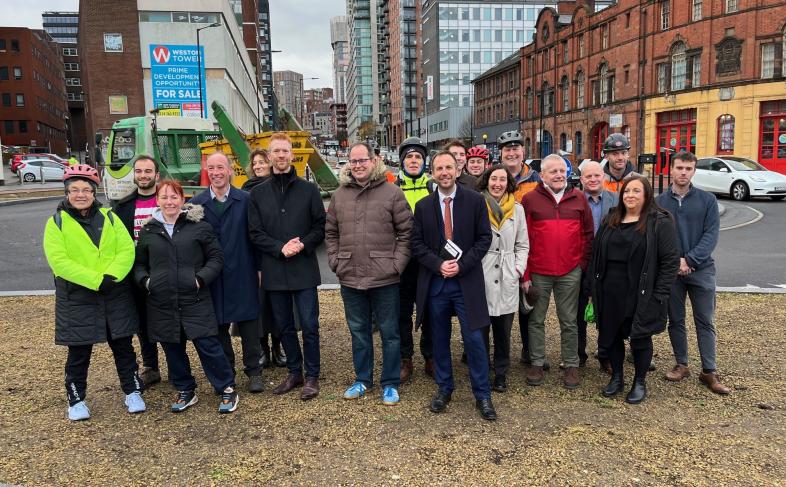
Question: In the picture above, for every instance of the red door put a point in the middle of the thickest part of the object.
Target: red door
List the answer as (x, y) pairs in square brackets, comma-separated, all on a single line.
[(598, 135), (772, 136), (676, 131)]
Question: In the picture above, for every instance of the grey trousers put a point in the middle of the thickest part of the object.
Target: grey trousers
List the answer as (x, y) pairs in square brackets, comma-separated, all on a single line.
[(566, 297), (700, 287)]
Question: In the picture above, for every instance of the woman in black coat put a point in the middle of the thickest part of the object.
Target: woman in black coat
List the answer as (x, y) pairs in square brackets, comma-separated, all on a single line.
[(177, 257), (634, 263)]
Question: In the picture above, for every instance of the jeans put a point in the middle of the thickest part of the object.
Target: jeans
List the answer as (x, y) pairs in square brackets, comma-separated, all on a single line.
[(211, 355), (700, 287), (442, 304), (307, 304), (78, 362), (566, 296), (358, 307), (249, 340), (407, 295), (500, 327)]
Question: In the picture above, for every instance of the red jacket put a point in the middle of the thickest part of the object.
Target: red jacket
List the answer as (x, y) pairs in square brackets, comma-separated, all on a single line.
[(560, 234)]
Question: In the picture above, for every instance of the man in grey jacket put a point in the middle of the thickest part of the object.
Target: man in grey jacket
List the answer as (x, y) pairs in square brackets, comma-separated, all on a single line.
[(698, 225), (367, 236)]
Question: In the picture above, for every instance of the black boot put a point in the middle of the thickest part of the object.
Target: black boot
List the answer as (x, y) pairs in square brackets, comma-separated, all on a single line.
[(615, 386), (279, 358), (265, 361), (638, 392)]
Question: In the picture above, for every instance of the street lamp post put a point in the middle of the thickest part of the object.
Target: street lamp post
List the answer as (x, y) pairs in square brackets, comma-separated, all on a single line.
[(202, 111)]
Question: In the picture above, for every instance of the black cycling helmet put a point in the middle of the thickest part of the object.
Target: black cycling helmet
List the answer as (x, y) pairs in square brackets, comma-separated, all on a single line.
[(510, 137), (412, 144), (615, 142)]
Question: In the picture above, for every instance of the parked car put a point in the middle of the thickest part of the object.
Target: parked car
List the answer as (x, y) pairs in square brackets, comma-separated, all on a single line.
[(31, 170), (738, 177), (19, 158)]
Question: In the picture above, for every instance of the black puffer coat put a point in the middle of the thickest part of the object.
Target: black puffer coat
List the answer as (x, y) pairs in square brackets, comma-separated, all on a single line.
[(661, 263), (172, 265)]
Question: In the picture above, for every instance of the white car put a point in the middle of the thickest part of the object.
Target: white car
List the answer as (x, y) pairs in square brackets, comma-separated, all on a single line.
[(738, 177), (34, 169)]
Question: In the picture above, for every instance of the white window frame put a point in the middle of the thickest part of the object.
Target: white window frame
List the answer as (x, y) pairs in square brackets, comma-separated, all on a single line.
[(665, 14), (679, 68), (731, 6), (580, 84), (696, 11), (768, 60)]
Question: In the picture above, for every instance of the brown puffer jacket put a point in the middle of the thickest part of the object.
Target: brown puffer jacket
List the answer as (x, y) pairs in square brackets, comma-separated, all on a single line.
[(367, 231)]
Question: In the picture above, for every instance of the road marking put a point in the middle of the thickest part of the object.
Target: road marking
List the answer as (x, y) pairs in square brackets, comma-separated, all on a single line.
[(759, 216), (750, 289)]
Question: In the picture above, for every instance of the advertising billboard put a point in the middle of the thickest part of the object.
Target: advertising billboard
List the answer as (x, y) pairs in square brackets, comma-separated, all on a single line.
[(177, 79)]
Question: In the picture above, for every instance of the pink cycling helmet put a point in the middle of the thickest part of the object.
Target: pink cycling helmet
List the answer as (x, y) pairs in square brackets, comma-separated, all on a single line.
[(81, 171), (478, 151)]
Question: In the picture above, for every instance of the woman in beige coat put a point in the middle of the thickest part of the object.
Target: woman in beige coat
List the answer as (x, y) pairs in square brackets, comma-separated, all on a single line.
[(504, 263)]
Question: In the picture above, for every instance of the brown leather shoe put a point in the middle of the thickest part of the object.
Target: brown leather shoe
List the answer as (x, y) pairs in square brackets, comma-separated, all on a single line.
[(570, 378), (713, 383), (535, 376), (292, 381), (678, 372), (406, 370), (429, 368), (310, 389)]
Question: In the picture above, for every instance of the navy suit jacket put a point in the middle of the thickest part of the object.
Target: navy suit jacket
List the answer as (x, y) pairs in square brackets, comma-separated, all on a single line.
[(471, 232)]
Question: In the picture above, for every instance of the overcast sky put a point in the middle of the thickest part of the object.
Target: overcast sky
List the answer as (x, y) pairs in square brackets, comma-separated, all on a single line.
[(300, 29)]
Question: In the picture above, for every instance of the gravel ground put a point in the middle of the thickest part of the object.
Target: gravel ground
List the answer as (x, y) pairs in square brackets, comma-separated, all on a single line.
[(681, 435)]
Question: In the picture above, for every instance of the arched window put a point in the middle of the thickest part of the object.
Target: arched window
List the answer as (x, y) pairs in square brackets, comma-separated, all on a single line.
[(726, 134), (548, 99), (529, 102), (604, 84), (563, 142), (577, 144), (565, 93), (679, 67), (580, 90)]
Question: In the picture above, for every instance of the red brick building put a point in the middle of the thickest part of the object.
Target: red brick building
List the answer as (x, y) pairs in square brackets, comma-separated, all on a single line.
[(33, 105), (671, 74), (497, 101)]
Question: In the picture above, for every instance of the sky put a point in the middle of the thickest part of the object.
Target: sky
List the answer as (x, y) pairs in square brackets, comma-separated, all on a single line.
[(299, 28)]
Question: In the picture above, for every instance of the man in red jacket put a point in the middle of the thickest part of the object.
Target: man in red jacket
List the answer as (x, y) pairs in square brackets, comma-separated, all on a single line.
[(559, 222)]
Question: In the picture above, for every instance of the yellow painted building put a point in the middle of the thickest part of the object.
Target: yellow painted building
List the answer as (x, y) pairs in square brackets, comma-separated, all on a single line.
[(746, 120)]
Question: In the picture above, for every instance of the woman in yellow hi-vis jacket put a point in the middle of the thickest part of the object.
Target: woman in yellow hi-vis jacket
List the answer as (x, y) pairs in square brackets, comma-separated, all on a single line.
[(90, 253)]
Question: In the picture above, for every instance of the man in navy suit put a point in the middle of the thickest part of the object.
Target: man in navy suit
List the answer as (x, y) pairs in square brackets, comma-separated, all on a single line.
[(458, 218)]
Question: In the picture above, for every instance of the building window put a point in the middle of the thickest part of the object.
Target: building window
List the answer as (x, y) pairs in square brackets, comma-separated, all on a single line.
[(771, 60), (665, 13), (20, 99), (70, 51), (72, 66), (731, 6), (73, 82), (679, 66), (578, 143), (530, 103), (604, 36), (565, 93), (565, 52), (3, 73), (6, 97), (527, 145), (9, 126), (547, 96), (604, 86), (23, 126), (580, 90), (696, 10), (663, 75), (581, 45), (727, 56), (14, 45), (694, 62), (726, 134), (17, 73), (2, 45)]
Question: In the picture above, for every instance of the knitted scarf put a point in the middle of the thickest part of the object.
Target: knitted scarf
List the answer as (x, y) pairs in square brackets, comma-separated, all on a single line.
[(499, 212)]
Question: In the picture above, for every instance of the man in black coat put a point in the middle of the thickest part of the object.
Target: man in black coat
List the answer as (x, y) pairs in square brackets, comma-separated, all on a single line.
[(133, 210), (286, 222), (450, 237)]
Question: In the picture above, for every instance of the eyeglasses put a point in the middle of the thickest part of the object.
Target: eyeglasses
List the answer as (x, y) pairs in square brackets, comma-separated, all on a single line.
[(80, 191), (357, 162)]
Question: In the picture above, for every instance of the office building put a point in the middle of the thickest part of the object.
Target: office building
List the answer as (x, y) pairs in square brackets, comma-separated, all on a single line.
[(363, 98), (339, 40), (288, 86)]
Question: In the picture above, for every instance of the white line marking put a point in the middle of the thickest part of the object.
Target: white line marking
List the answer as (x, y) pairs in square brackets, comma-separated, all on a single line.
[(759, 216)]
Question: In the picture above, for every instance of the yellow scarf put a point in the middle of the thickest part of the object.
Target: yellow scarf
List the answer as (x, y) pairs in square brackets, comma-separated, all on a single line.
[(499, 212)]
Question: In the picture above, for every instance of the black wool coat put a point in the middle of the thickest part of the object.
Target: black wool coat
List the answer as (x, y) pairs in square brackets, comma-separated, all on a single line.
[(661, 263), (283, 207), (168, 267), (471, 232)]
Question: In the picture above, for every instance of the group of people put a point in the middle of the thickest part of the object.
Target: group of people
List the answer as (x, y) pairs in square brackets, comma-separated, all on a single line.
[(467, 239)]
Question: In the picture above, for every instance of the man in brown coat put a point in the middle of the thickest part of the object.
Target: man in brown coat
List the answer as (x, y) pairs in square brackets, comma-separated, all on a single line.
[(367, 236)]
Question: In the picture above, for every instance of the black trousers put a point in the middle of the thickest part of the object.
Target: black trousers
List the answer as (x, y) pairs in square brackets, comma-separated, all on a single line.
[(148, 349), (524, 331), (249, 340), (642, 354), (408, 286), (500, 328), (78, 362), (582, 327)]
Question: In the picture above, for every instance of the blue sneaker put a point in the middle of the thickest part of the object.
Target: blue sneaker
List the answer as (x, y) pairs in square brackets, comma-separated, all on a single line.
[(229, 401), (185, 399), (78, 412), (135, 403), (355, 391), (390, 396)]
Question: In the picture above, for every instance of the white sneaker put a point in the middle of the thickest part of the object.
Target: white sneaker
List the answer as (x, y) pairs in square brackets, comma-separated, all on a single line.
[(135, 403), (78, 412)]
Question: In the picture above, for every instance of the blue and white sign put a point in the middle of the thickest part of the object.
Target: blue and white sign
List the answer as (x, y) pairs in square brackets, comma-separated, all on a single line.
[(177, 79)]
